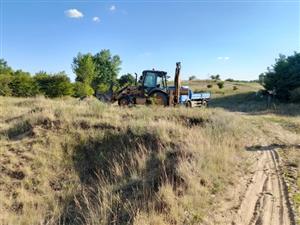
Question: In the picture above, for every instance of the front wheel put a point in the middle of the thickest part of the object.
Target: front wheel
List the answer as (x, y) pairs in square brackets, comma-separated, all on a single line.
[(158, 98), (124, 101)]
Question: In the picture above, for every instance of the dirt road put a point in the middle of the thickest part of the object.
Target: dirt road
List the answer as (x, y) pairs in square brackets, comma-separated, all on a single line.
[(262, 198)]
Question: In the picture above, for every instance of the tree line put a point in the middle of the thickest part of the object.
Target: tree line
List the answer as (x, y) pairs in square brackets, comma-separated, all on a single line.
[(94, 74), (98, 73)]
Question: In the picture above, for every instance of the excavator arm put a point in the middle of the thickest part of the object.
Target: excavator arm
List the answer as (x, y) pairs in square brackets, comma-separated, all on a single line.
[(177, 83)]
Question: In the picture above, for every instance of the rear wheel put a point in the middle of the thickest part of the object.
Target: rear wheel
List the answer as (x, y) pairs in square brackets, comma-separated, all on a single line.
[(159, 98)]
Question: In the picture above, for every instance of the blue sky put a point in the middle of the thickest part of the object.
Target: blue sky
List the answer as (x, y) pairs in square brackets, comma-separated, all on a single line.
[(237, 39)]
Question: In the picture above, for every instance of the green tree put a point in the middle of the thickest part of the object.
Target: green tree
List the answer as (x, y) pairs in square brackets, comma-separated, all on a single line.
[(284, 76), (107, 69), (215, 77), (84, 68), (23, 85), (126, 79), (4, 68)]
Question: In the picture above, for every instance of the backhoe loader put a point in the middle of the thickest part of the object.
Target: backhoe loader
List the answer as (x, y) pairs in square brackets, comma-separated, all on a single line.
[(152, 88)]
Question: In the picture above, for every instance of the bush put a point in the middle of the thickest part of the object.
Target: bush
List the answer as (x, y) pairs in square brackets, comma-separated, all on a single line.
[(209, 86), (56, 85), (23, 85), (82, 90), (220, 84), (230, 80), (234, 88)]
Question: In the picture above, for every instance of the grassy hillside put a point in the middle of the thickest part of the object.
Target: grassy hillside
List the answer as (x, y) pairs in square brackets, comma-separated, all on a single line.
[(230, 88), (67, 161)]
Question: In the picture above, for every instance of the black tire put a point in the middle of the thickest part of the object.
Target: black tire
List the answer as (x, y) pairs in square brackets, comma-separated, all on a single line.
[(158, 98), (124, 101)]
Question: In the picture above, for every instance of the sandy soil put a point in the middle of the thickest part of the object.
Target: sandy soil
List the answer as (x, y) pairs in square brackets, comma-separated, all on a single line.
[(261, 198)]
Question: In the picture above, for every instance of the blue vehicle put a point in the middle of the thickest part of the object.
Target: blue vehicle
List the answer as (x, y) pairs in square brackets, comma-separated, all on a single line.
[(152, 88)]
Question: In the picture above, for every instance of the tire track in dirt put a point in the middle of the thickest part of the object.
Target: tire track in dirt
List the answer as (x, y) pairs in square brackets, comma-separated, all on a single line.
[(259, 198), (265, 201)]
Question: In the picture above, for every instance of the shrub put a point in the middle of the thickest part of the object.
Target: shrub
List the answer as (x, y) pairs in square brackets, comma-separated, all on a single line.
[(56, 85), (209, 86), (23, 85), (82, 90), (234, 88), (4, 85), (220, 84), (230, 80)]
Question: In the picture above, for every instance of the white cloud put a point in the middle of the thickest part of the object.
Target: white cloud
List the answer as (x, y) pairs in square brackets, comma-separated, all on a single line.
[(96, 19), (113, 8), (73, 13), (223, 58)]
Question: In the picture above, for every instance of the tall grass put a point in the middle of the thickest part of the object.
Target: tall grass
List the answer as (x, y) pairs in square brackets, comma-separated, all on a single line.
[(83, 162)]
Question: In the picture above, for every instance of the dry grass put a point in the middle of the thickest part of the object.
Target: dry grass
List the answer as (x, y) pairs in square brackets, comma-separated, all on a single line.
[(82, 162)]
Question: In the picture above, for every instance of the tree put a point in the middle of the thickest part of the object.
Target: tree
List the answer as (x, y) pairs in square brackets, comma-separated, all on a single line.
[(126, 79), (192, 77), (261, 78), (215, 77), (107, 69), (283, 77), (84, 68), (4, 68), (23, 85)]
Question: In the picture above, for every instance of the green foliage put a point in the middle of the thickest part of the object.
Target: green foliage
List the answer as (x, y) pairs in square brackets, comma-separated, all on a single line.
[(56, 85), (5, 80), (192, 78), (220, 84), (107, 69), (230, 80), (102, 88), (4, 68), (283, 77), (126, 79), (23, 85), (84, 68), (82, 90), (234, 88), (209, 86)]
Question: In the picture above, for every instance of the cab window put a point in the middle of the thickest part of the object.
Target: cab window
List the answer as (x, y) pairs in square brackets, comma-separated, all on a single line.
[(150, 80)]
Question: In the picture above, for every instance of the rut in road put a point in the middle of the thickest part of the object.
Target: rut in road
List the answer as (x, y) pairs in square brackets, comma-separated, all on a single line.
[(260, 198), (265, 201)]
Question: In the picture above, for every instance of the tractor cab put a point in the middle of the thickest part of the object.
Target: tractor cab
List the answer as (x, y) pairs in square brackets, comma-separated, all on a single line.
[(153, 80)]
